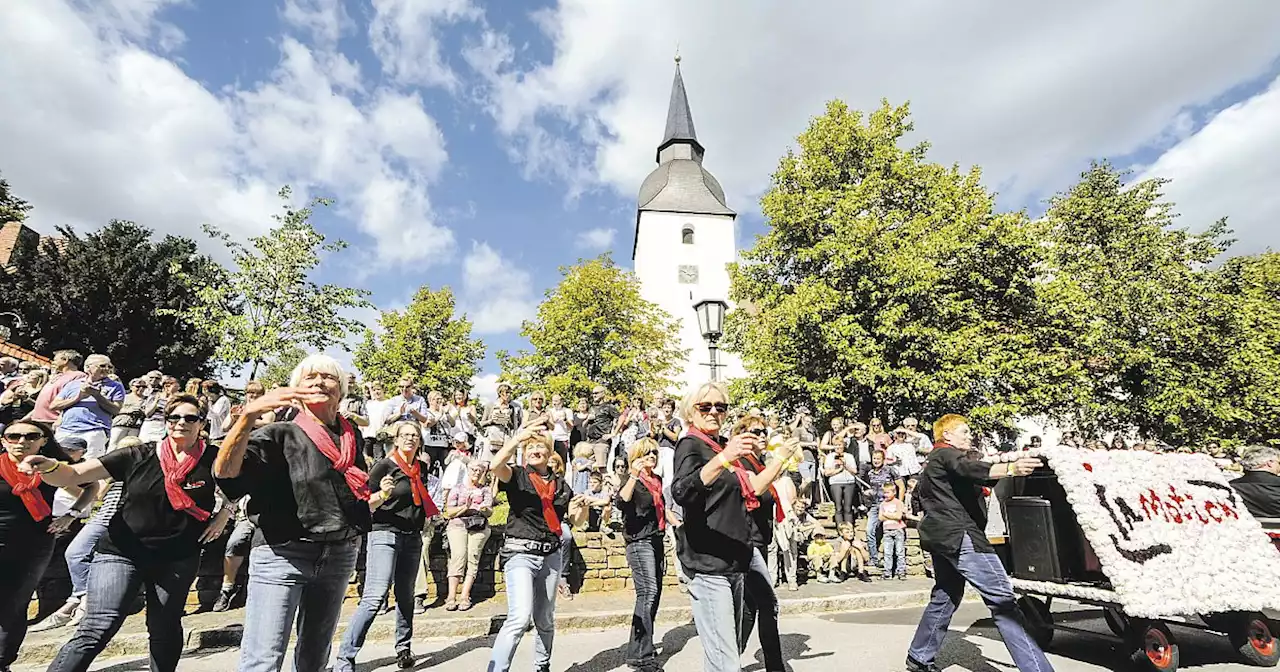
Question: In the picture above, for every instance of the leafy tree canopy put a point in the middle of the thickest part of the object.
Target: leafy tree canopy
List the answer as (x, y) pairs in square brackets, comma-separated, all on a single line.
[(116, 292), (594, 328), (423, 342), (12, 208), (269, 303)]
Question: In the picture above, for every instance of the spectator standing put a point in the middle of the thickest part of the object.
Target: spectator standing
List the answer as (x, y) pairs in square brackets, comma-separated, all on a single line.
[(353, 406), (18, 398), (804, 429), (437, 429), (841, 471), (892, 514), (128, 421), (66, 368), (375, 411), (875, 475), (859, 446), (903, 454), (310, 495), (87, 405), (561, 423), (153, 426), (501, 418), (1259, 487), (463, 415), (219, 408), (601, 419), (467, 508), (577, 432), (877, 435), (408, 405)]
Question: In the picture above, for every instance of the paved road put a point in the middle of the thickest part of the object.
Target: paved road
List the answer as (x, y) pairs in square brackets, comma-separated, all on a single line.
[(860, 641)]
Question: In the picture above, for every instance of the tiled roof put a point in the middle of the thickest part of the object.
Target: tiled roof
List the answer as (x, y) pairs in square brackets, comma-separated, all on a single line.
[(8, 349)]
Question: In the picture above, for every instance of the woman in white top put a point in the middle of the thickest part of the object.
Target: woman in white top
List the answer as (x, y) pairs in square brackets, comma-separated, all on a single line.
[(561, 424), (376, 408), (462, 414), (841, 471), (902, 454)]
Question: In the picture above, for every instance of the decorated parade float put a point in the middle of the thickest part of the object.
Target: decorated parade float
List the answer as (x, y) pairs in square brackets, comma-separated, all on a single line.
[(1152, 539)]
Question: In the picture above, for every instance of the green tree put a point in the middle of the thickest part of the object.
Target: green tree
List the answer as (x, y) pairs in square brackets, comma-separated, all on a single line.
[(269, 304), (116, 292), (1138, 306), (278, 370), (424, 342), (12, 208), (1250, 288), (595, 329), (888, 285)]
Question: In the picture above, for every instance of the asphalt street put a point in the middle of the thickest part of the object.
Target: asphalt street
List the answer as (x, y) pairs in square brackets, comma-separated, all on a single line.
[(874, 640)]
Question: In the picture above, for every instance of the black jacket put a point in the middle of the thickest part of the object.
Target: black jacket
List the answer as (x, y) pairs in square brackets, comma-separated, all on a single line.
[(1260, 491)]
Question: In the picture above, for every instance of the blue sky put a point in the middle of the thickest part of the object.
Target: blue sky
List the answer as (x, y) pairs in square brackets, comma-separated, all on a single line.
[(484, 144)]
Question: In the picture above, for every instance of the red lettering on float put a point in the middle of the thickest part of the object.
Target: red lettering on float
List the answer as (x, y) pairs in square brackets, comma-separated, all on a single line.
[(1209, 507), (1196, 510), (1176, 506)]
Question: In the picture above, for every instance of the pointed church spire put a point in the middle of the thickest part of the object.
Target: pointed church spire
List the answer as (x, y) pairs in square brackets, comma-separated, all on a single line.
[(680, 119)]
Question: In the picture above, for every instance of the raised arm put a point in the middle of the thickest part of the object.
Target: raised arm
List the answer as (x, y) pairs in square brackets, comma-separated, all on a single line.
[(62, 475), (231, 453), (498, 465), (760, 482)]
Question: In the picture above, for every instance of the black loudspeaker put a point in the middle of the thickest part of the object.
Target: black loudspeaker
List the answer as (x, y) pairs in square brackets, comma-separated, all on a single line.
[(1034, 541)]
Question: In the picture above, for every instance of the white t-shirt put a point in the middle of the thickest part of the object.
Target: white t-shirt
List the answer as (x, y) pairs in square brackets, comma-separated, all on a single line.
[(863, 446), (218, 413), (454, 475), (903, 456), (377, 411), (843, 477), (666, 470), (560, 417)]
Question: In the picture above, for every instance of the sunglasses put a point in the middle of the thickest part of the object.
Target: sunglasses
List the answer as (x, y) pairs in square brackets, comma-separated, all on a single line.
[(14, 437), (705, 407), (175, 418), (759, 431)]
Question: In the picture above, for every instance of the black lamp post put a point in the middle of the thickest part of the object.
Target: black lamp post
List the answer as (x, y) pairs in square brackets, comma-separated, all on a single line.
[(711, 322)]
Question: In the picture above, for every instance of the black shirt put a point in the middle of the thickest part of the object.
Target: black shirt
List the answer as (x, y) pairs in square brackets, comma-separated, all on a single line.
[(762, 516), (716, 525), (950, 493), (525, 520), (600, 420), (296, 492), (398, 513), (1260, 491), (146, 527), (15, 520), (639, 516)]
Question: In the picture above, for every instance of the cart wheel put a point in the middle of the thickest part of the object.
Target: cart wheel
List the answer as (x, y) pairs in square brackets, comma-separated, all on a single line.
[(1253, 635), (1156, 648), (1039, 620), (1117, 620)]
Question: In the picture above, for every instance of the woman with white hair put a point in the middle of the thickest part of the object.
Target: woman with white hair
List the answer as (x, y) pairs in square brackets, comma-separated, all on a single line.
[(310, 494), (720, 495)]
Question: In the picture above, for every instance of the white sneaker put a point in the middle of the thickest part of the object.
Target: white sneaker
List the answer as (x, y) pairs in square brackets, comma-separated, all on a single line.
[(53, 621), (76, 616)]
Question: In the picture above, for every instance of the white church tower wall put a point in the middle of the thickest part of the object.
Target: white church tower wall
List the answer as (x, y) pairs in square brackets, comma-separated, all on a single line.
[(685, 239)]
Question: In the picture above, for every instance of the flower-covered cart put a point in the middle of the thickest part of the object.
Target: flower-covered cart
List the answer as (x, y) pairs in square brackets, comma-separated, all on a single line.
[(1152, 539)]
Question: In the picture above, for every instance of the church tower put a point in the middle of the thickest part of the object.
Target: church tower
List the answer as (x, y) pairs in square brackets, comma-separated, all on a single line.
[(685, 238)]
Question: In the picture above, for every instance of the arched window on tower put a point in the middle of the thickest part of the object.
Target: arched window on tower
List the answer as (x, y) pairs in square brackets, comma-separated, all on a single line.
[(686, 234)]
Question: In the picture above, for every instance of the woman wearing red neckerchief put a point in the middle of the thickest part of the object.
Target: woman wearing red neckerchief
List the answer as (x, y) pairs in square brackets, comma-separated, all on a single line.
[(644, 524), (400, 507), (164, 516), (26, 510), (719, 498), (541, 506)]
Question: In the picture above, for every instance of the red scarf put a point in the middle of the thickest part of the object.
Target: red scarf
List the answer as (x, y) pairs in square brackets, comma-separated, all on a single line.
[(654, 485), (175, 474), (344, 460), (26, 488), (546, 490), (420, 496), (758, 467), (744, 481)]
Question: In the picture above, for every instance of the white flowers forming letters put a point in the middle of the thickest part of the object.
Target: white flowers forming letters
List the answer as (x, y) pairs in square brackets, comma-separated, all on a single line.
[(1170, 533)]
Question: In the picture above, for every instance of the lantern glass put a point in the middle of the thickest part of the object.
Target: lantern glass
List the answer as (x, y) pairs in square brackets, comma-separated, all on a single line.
[(710, 317)]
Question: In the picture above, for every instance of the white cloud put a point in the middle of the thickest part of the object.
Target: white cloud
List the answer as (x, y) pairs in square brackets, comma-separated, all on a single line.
[(325, 20), (1230, 168), (596, 239), (485, 387), (405, 36), (1028, 92), (95, 125), (497, 295)]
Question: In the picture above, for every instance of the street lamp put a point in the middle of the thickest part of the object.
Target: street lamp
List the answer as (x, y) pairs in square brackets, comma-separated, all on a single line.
[(17, 324), (711, 322)]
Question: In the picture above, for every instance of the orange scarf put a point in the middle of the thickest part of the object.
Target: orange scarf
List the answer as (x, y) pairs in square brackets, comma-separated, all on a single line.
[(744, 481), (654, 485), (420, 496), (344, 459), (26, 488), (758, 466), (546, 490), (175, 474)]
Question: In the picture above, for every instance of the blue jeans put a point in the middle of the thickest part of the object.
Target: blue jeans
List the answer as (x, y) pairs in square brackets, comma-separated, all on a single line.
[(760, 600), (113, 583), (647, 559), (895, 551), (297, 578), (873, 533), (23, 558), (391, 557), (79, 555), (716, 600), (984, 572), (531, 596)]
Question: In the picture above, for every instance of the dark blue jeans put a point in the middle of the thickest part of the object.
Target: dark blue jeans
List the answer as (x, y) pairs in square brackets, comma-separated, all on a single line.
[(113, 583), (23, 558), (760, 603), (392, 558), (985, 572), (647, 559)]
